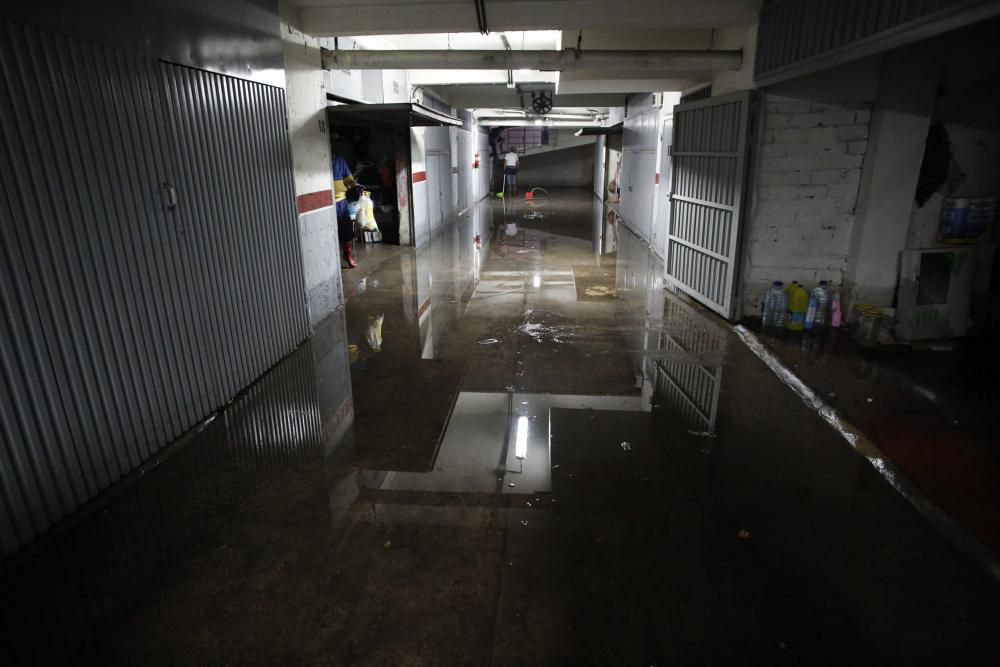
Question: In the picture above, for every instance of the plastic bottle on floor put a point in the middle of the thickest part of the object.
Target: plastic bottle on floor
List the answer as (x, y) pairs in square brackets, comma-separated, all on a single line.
[(818, 309), (798, 304), (775, 307)]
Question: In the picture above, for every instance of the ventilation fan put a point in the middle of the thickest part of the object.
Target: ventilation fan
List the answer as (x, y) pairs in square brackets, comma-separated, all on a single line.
[(541, 103)]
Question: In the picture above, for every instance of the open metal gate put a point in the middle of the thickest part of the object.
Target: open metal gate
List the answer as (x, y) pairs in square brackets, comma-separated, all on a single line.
[(708, 198)]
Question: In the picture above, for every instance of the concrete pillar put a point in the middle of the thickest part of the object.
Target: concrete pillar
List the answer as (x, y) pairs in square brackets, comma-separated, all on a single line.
[(900, 119), (313, 176)]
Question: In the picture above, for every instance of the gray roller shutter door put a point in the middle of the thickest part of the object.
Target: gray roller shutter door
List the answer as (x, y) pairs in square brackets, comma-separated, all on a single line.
[(125, 320), (708, 198), (237, 207)]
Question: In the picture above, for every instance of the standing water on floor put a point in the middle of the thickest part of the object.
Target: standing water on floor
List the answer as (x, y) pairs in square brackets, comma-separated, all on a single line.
[(524, 453)]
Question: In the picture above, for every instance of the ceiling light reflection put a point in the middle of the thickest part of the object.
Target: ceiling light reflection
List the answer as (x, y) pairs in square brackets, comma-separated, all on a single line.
[(521, 443)]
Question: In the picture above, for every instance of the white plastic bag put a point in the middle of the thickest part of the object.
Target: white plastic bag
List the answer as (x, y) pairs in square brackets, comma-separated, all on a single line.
[(366, 213)]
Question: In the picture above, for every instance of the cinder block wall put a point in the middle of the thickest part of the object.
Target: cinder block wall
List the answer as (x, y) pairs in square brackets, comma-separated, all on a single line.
[(810, 155)]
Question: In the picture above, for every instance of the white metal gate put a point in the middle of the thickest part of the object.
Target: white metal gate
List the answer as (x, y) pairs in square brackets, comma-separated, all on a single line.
[(708, 197)]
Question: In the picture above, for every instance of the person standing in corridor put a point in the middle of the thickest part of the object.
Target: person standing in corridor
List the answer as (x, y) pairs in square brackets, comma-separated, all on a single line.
[(510, 162), (343, 179)]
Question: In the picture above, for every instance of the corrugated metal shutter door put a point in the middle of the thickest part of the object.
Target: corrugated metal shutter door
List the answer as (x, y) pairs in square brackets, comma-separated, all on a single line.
[(235, 197), (125, 320), (710, 150)]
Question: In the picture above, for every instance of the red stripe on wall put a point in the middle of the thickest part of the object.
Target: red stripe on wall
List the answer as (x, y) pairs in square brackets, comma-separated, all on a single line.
[(314, 200), (423, 307), (419, 176)]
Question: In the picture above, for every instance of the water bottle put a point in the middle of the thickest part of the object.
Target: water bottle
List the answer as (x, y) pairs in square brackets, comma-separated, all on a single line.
[(835, 314), (775, 307), (798, 305), (818, 312)]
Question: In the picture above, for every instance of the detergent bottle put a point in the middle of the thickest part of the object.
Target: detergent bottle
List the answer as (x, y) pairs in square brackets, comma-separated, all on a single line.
[(798, 304)]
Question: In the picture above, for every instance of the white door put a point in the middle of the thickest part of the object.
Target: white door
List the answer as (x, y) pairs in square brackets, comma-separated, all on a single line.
[(464, 169), (447, 196), (434, 178), (662, 222)]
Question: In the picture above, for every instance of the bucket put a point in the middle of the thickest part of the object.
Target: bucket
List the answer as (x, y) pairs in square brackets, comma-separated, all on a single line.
[(869, 324)]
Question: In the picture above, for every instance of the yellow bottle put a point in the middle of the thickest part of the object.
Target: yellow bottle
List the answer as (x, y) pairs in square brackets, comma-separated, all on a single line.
[(798, 304)]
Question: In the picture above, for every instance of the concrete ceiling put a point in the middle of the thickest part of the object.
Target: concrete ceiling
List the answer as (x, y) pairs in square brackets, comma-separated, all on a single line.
[(514, 39), (476, 88), (541, 25), (328, 18), (478, 96)]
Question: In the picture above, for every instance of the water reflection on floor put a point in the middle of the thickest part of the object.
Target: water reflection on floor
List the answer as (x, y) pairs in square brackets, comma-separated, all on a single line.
[(526, 454)]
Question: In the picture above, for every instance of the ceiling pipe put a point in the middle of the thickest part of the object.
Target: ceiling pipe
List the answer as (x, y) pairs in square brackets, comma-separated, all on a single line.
[(566, 60)]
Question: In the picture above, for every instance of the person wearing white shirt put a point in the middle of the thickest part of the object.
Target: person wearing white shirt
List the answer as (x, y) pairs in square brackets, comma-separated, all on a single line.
[(510, 161)]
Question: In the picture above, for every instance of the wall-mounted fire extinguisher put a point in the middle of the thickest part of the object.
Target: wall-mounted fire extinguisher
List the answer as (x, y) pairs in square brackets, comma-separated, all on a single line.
[(475, 162)]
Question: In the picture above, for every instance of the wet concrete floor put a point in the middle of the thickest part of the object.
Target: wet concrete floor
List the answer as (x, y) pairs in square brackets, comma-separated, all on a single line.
[(932, 412), (526, 455)]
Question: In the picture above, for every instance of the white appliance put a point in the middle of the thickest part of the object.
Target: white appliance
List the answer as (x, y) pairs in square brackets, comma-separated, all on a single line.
[(935, 293)]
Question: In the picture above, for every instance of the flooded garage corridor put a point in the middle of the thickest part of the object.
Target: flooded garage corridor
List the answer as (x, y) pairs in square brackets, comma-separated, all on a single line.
[(524, 454)]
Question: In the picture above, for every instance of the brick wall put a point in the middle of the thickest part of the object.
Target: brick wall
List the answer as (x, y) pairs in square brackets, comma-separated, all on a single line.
[(806, 188)]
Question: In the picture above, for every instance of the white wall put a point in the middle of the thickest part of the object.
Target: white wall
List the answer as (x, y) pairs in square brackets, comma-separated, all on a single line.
[(419, 204), (567, 167), (899, 130), (306, 99), (372, 86), (348, 84), (735, 38), (811, 148)]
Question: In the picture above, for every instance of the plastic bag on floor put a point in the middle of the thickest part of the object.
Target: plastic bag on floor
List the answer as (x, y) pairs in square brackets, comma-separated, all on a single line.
[(373, 335)]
